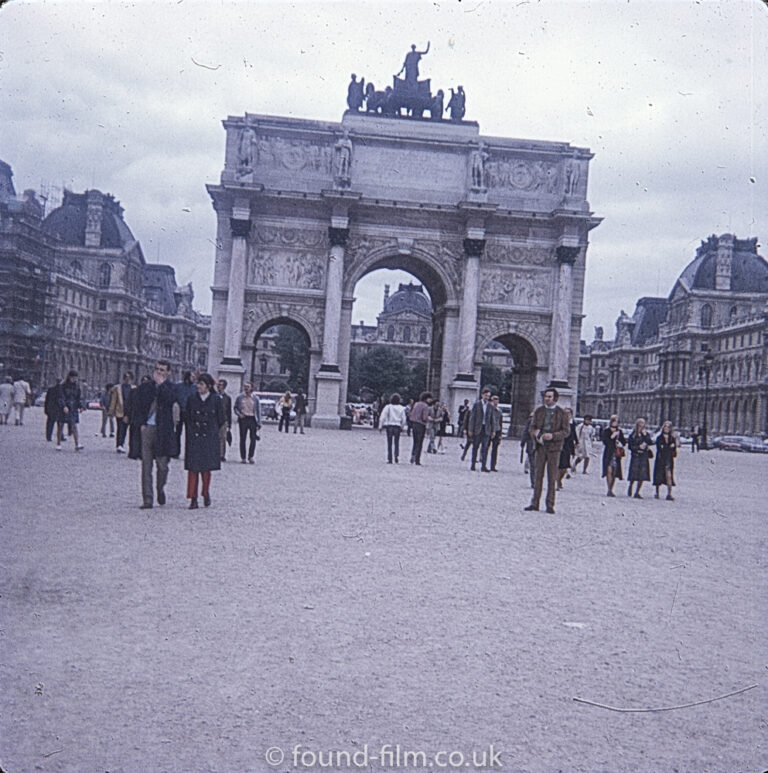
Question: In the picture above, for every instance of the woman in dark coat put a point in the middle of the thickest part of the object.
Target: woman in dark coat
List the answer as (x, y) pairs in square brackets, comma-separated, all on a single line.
[(664, 467), (204, 417), (69, 409), (614, 442), (569, 449), (640, 443)]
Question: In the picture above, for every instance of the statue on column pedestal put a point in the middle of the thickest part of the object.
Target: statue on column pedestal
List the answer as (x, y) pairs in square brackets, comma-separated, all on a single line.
[(343, 159)]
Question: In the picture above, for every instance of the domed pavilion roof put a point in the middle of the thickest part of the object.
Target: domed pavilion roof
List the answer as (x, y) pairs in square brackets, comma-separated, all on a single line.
[(749, 271), (68, 222), (408, 297)]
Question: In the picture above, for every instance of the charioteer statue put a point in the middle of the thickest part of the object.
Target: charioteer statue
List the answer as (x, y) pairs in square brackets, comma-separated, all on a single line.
[(407, 94), (411, 64)]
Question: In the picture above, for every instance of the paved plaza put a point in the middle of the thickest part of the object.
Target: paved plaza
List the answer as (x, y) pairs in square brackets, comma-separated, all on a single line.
[(329, 604)]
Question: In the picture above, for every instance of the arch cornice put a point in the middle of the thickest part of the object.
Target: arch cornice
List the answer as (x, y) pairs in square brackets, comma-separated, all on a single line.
[(490, 329), (440, 265), (271, 313)]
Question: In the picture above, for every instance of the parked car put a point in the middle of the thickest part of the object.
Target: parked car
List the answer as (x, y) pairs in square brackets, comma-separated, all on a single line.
[(754, 445), (729, 442)]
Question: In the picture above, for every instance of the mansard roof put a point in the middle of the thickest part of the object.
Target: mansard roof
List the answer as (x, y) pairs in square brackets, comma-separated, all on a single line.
[(749, 271), (649, 314), (68, 221)]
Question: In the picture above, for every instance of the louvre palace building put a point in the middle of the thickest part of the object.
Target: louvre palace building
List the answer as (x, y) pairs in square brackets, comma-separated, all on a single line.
[(77, 293), (697, 357)]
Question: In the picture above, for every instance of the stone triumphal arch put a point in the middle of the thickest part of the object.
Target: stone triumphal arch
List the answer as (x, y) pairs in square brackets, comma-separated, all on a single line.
[(495, 228)]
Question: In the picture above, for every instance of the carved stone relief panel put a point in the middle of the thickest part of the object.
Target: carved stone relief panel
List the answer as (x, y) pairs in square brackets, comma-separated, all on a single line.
[(288, 256), (520, 175), (517, 287), (286, 268), (500, 251), (294, 155)]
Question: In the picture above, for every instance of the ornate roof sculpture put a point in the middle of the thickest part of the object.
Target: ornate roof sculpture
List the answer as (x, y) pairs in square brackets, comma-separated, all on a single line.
[(407, 94)]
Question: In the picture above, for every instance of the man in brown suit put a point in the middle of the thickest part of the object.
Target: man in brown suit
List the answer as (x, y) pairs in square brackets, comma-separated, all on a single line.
[(549, 427)]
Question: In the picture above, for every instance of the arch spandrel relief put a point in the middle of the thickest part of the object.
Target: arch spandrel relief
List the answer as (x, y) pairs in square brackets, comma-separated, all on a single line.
[(489, 328)]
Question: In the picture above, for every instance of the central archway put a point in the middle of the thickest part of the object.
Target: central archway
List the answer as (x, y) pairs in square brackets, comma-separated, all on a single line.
[(438, 285)]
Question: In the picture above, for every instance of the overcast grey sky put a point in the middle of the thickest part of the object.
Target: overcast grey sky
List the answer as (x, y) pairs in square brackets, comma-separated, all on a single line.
[(670, 95)]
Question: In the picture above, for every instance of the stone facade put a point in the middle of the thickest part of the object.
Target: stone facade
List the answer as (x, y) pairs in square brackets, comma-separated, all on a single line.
[(76, 293), (715, 319), (501, 261)]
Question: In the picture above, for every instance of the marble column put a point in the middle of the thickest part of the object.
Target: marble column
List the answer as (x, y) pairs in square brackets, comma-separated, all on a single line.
[(473, 249), (464, 384), (329, 375), (333, 293), (562, 314), (231, 367), (561, 318)]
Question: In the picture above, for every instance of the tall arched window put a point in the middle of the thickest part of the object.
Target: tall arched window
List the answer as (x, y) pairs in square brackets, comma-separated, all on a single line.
[(706, 315), (423, 335), (406, 334), (391, 333), (105, 275), (733, 313)]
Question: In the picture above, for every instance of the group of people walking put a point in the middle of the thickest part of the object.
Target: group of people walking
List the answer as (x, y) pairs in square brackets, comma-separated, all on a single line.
[(555, 444), (152, 417), (14, 395), (640, 444)]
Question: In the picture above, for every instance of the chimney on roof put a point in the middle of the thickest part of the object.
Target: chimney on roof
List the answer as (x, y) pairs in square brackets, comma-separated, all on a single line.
[(598, 334), (724, 262), (93, 218)]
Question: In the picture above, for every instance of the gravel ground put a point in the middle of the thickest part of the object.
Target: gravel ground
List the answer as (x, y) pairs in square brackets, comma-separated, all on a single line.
[(330, 603)]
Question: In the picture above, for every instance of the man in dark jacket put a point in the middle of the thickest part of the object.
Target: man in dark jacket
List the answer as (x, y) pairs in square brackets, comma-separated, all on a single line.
[(548, 428), (153, 411), (300, 406), (479, 429), (226, 428)]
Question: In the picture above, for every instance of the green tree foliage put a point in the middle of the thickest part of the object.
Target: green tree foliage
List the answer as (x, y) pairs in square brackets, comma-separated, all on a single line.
[(383, 370), (292, 349), (418, 381), (498, 380)]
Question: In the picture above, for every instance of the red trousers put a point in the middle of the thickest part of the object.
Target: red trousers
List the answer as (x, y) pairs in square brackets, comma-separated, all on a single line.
[(192, 483)]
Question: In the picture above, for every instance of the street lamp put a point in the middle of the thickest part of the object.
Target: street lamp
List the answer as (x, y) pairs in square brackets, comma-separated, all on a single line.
[(709, 358)]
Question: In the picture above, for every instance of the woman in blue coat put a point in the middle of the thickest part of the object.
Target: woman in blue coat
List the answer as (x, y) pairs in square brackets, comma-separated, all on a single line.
[(204, 417)]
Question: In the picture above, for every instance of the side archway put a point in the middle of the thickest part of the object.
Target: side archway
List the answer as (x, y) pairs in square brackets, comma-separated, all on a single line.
[(523, 373)]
